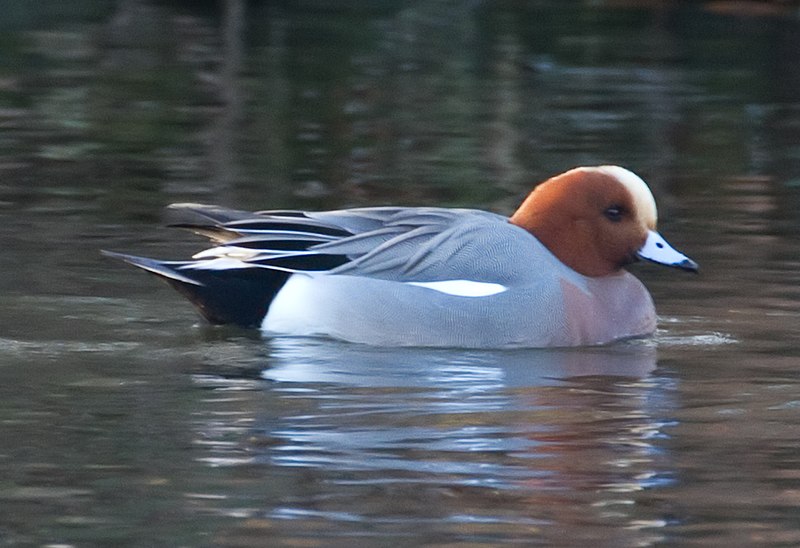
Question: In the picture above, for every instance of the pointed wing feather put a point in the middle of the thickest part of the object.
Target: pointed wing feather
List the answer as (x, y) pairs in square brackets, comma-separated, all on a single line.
[(396, 243)]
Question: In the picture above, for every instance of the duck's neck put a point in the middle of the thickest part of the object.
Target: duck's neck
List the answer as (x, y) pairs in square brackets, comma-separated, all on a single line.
[(570, 238)]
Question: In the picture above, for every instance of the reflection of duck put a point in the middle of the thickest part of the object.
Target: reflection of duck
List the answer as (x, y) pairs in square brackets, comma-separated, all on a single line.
[(329, 362), (551, 275), (458, 390), (508, 443)]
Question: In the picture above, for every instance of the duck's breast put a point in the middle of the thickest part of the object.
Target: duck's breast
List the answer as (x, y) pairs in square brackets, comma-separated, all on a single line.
[(601, 310)]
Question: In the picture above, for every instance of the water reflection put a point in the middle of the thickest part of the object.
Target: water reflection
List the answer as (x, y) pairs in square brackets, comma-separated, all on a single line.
[(505, 437), (322, 361)]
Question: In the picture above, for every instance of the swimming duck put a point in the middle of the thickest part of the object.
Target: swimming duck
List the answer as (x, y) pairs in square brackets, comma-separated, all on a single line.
[(553, 274)]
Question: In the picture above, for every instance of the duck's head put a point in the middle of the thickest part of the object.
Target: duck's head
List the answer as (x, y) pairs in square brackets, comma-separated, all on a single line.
[(596, 220)]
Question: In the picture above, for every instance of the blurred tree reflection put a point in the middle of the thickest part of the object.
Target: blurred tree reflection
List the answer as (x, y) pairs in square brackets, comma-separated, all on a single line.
[(324, 104)]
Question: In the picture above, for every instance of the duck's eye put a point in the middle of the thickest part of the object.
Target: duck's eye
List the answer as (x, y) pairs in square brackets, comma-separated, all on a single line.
[(614, 213)]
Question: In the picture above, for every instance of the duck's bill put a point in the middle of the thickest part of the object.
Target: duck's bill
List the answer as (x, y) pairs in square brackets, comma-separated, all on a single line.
[(657, 250)]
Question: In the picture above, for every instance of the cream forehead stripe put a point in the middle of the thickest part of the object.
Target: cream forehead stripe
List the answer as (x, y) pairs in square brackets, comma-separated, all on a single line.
[(642, 197)]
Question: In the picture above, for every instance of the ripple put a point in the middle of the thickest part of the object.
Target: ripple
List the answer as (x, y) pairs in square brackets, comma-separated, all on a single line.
[(55, 348), (699, 339)]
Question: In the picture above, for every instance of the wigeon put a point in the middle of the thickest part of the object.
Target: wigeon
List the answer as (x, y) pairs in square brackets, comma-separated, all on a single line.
[(550, 275)]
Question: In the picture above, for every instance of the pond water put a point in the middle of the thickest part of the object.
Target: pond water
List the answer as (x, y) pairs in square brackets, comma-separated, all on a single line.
[(127, 421)]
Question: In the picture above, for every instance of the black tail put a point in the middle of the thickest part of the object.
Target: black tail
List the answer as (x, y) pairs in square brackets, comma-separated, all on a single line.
[(239, 296)]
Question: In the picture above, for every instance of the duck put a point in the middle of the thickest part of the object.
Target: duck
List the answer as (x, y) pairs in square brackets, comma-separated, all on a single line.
[(553, 274)]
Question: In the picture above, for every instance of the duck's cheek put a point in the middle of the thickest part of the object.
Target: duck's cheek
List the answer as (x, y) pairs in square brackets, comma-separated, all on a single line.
[(628, 258), (616, 247)]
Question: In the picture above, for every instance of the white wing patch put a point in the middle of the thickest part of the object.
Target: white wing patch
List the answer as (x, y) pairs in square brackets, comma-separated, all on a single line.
[(463, 288)]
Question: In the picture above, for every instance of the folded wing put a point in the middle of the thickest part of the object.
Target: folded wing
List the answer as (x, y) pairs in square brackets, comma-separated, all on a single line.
[(254, 254)]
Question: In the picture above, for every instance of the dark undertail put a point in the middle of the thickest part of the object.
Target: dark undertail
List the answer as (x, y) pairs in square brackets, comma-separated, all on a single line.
[(236, 296), (240, 297)]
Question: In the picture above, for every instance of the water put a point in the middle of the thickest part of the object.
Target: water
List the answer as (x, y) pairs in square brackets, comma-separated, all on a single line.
[(126, 421)]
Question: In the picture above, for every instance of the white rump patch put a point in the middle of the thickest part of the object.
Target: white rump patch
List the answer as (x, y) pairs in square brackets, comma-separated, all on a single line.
[(463, 288)]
